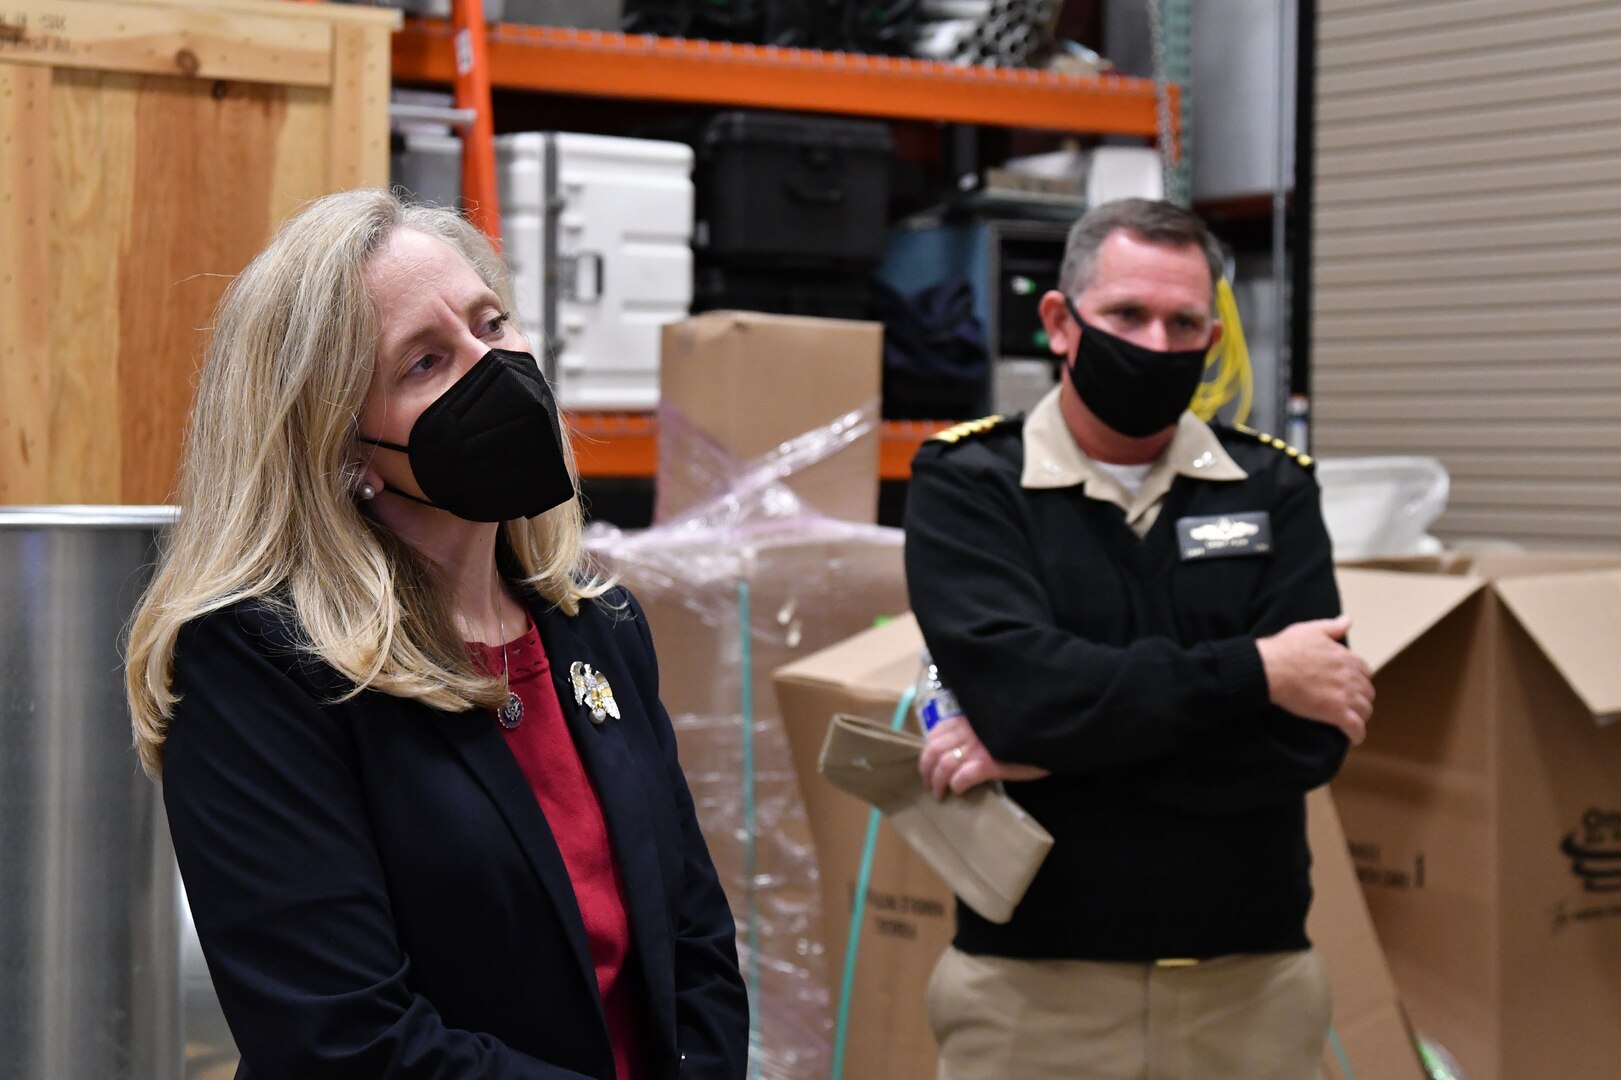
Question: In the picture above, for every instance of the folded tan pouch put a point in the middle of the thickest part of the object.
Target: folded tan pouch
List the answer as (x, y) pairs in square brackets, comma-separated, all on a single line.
[(981, 843)]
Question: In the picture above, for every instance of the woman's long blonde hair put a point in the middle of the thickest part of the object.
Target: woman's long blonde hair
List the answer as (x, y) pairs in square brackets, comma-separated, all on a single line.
[(266, 481)]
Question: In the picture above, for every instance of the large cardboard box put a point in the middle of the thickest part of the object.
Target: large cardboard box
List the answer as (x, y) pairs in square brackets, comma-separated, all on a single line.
[(1484, 810), (1371, 1036), (910, 912), (737, 386), (726, 607)]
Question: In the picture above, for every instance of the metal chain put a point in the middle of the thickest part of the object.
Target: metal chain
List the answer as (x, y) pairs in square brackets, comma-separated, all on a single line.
[(1162, 100)]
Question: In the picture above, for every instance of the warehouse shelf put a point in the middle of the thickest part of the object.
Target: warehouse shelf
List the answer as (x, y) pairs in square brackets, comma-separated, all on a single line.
[(645, 67), (626, 444)]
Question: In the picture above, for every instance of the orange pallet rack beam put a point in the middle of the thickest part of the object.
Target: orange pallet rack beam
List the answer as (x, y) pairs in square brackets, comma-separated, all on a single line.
[(614, 444), (626, 444), (645, 67), (899, 440)]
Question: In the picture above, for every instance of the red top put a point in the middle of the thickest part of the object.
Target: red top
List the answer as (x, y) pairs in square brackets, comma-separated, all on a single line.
[(550, 761)]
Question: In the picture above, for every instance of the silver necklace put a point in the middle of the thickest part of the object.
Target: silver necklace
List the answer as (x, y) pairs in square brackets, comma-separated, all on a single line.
[(509, 714)]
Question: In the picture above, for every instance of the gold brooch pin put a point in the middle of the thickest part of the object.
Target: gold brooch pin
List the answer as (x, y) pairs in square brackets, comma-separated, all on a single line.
[(593, 691)]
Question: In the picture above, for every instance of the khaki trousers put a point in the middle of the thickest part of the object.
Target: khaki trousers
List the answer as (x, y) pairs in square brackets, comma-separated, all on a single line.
[(1249, 1017)]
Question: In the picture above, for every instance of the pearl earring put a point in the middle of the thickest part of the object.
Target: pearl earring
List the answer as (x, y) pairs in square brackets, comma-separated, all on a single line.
[(367, 492)]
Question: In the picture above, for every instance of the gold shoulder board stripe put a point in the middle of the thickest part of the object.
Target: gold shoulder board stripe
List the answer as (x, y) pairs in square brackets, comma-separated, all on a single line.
[(1276, 443), (958, 432)]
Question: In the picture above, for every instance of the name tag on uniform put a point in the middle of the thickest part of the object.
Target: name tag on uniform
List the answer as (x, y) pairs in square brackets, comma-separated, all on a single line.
[(1224, 535)]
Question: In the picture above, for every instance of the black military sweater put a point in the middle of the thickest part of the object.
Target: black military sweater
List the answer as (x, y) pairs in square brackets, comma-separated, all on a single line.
[(1177, 796)]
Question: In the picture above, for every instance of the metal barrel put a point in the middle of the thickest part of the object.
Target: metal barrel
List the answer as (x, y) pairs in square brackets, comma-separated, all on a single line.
[(89, 902)]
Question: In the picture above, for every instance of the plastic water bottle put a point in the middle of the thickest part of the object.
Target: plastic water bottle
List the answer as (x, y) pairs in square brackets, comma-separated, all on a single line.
[(935, 701)]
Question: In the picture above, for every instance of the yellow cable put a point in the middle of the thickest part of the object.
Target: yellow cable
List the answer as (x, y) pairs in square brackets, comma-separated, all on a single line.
[(1230, 357)]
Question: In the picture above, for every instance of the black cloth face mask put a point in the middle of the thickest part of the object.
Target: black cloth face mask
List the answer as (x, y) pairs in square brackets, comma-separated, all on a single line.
[(491, 447), (1136, 391)]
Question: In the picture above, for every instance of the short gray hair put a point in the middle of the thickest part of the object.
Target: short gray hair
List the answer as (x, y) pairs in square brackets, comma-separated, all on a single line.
[(1147, 219)]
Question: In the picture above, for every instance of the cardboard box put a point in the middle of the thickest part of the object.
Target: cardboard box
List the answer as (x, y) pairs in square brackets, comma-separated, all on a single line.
[(910, 914), (738, 385), (726, 608), (1370, 1027), (1484, 810)]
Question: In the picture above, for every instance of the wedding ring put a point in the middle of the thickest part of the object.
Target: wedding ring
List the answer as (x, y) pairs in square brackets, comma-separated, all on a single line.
[(956, 752)]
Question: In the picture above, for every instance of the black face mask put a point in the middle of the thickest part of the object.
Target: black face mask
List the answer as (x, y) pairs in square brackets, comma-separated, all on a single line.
[(1136, 391), (491, 447)]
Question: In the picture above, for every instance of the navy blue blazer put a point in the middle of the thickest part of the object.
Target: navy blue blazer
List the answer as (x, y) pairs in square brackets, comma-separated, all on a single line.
[(377, 891)]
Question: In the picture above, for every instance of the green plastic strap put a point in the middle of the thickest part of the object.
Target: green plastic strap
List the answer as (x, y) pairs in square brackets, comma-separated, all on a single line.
[(858, 911), (1434, 1067), (751, 913), (1339, 1053)]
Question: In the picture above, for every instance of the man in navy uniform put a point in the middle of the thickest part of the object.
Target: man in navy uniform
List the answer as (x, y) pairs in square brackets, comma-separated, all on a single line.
[(1137, 612)]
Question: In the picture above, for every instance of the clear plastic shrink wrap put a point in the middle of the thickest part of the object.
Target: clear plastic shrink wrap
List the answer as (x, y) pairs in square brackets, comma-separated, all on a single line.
[(734, 587)]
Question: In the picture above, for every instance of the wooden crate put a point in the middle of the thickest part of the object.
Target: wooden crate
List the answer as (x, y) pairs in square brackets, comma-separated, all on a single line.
[(148, 149)]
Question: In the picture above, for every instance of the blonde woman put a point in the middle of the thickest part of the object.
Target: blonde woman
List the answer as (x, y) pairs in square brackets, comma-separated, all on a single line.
[(424, 797)]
